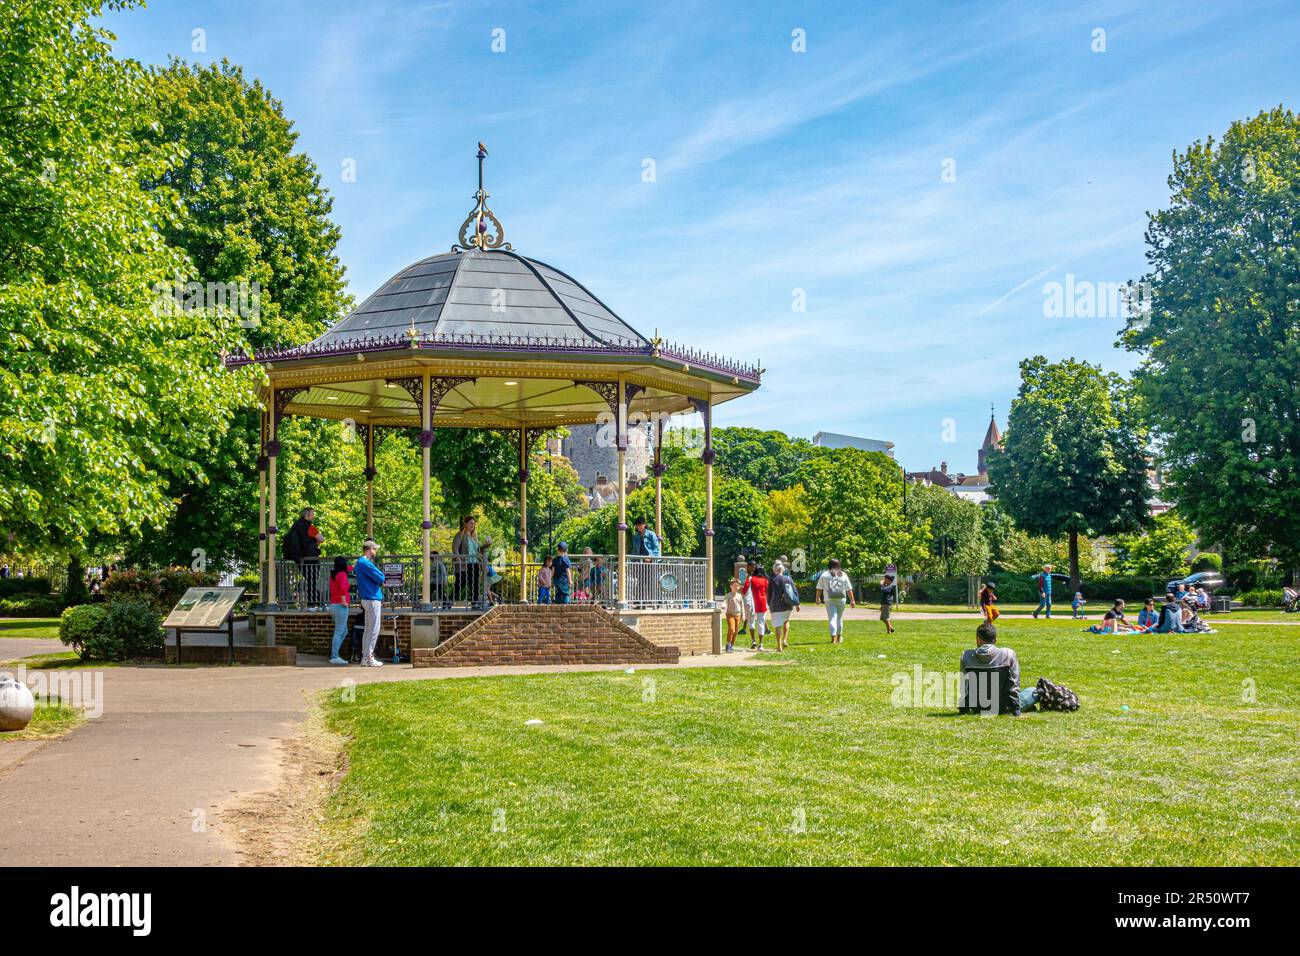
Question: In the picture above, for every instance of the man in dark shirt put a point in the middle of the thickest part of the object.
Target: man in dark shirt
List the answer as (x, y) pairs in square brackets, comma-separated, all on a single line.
[(303, 549)]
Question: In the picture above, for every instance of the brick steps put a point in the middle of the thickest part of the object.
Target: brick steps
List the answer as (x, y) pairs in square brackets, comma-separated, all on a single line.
[(546, 634)]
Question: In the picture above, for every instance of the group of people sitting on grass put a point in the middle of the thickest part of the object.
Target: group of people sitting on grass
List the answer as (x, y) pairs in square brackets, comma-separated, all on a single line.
[(1176, 615)]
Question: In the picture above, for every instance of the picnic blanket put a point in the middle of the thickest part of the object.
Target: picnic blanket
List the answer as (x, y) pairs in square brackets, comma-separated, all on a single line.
[(1149, 629)]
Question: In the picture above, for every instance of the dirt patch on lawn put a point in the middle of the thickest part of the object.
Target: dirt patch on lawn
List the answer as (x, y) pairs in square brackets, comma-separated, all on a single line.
[(275, 827)]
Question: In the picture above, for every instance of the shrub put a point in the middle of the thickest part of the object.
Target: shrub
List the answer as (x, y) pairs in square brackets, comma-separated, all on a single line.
[(250, 581), (1208, 561), (30, 605), (11, 586), (80, 626), (133, 628), (1262, 597), (162, 588)]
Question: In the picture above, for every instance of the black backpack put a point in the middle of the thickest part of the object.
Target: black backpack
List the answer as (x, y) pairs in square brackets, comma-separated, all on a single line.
[(1055, 696)]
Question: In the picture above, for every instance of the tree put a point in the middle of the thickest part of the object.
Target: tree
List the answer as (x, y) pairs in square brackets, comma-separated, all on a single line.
[(958, 545), (789, 522), (1221, 347), (598, 529), (1162, 550), (855, 513), (255, 223), (554, 496), (477, 470), (1073, 460), (766, 459), (740, 519), (105, 400)]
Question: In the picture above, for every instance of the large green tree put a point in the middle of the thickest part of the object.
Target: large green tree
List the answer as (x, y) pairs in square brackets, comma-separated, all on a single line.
[(1073, 460), (1221, 341), (598, 529), (106, 400), (255, 221)]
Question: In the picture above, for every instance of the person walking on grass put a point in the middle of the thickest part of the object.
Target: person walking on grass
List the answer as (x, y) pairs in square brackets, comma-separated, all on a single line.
[(340, 598), (735, 608), (888, 597), (988, 602), (1044, 582), (370, 590), (783, 599), (748, 622), (835, 590)]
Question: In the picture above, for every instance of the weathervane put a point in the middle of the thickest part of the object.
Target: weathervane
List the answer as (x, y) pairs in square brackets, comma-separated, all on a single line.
[(475, 231)]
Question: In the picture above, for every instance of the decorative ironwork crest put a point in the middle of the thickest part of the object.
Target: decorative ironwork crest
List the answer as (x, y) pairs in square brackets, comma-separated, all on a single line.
[(481, 229)]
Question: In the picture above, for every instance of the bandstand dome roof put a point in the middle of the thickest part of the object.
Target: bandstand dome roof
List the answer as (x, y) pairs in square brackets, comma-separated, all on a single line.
[(493, 293), (511, 341)]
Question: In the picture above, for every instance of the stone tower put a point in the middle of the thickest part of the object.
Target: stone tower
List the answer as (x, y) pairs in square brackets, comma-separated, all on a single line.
[(594, 459)]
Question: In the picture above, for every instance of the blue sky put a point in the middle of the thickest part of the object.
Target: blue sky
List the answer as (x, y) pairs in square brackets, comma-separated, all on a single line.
[(829, 171)]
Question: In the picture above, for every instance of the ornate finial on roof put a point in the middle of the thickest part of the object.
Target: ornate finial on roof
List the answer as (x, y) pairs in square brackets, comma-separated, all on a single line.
[(481, 229)]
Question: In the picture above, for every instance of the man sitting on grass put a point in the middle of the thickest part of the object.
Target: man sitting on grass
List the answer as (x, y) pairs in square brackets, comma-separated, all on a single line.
[(985, 656)]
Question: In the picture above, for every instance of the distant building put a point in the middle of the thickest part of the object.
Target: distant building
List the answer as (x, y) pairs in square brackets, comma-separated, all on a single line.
[(971, 487), (836, 440)]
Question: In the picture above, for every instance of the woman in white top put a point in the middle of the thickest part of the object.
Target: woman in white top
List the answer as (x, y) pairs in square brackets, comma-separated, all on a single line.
[(835, 590)]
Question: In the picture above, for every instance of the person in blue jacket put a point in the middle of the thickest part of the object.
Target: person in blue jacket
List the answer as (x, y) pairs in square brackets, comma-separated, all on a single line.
[(370, 591), (1044, 581)]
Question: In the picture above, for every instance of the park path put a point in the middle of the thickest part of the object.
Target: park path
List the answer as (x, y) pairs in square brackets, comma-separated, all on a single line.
[(174, 745)]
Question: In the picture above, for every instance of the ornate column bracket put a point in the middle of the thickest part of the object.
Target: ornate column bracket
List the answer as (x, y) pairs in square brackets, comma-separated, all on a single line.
[(283, 396), (705, 408), (414, 386), (440, 386), (606, 390)]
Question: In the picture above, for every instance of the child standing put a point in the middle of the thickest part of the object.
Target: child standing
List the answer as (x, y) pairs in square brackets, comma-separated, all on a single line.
[(735, 613), (544, 575), (888, 598), (1077, 605)]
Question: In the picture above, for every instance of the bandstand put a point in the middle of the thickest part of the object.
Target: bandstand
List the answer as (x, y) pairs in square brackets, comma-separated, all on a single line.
[(484, 337)]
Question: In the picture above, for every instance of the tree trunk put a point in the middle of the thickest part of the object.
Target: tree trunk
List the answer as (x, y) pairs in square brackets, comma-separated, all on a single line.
[(1074, 562)]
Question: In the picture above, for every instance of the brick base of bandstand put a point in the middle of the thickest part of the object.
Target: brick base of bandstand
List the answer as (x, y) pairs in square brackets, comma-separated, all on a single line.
[(504, 635)]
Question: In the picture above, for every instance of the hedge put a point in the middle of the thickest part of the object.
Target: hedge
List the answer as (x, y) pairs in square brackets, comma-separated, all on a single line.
[(125, 628), (11, 586), (30, 605), (1262, 597)]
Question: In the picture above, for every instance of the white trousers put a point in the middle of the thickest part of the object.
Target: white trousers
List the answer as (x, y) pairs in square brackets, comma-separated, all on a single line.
[(835, 615)]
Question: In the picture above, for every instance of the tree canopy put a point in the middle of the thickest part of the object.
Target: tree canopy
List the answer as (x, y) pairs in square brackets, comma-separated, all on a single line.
[(1221, 347), (1073, 460), (105, 398)]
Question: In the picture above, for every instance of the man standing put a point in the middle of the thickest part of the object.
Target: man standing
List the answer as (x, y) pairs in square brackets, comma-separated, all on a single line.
[(561, 564), (370, 591), (1044, 580), (302, 547), (645, 545)]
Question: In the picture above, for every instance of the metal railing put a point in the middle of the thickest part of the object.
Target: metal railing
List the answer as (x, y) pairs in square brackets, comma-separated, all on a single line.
[(457, 581)]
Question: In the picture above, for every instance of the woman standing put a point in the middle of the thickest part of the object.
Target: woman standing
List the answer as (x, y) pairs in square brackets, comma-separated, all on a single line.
[(888, 598), (758, 590), (834, 589), (464, 548), (783, 598), (340, 598)]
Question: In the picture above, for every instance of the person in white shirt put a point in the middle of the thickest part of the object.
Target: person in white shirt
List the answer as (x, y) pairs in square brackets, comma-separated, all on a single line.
[(835, 590)]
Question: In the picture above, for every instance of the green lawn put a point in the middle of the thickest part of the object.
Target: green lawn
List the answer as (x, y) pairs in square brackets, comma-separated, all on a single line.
[(810, 763), (46, 628)]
